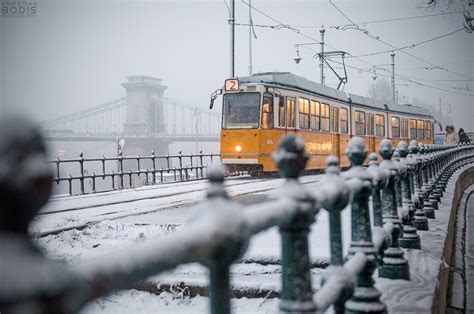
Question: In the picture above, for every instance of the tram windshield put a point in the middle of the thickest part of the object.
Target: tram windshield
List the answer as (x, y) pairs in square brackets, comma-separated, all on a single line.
[(241, 111)]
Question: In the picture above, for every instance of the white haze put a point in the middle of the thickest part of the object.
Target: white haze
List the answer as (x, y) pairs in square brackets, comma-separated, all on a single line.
[(74, 54)]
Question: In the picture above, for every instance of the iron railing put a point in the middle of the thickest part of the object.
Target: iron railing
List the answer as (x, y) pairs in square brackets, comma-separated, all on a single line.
[(84, 175), (218, 237)]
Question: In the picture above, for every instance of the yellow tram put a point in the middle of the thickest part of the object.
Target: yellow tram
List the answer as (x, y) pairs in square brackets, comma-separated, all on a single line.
[(258, 110)]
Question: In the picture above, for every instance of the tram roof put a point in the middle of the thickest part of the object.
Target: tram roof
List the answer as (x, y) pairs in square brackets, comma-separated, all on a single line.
[(365, 101), (409, 109), (288, 79)]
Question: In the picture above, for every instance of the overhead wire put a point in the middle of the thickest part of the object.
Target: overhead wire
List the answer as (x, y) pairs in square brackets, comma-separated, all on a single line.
[(365, 32), (282, 25), (408, 46)]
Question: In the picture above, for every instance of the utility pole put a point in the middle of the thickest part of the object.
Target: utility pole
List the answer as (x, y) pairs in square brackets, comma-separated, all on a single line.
[(440, 112), (393, 77), (321, 60), (232, 37), (250, 37)]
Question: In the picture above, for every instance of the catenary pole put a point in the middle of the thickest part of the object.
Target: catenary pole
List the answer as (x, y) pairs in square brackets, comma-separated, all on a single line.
[(393, 78), (321, 61), (232, 37), (250, 37)]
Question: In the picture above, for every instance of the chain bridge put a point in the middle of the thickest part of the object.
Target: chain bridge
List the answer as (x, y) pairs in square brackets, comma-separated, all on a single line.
[(144, 116)]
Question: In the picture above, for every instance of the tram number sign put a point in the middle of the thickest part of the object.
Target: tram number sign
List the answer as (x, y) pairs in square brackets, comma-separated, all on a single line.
[(231, 85)]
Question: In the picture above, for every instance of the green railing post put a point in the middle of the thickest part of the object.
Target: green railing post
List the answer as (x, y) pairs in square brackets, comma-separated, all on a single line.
[(425, 188), (296, 293), (219, 284), (421, 221), (394, 266), (379, 182), (410, 238), (366, 298), (336, 197)]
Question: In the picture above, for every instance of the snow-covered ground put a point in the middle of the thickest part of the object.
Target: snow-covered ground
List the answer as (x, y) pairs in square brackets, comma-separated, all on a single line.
[(118, 226)]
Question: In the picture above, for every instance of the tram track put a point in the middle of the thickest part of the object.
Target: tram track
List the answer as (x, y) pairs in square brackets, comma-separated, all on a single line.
[(150, 197), (145, 208)]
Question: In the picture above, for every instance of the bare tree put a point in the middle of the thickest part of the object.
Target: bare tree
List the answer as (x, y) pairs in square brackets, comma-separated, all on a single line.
[(446, 5), (380, 90)]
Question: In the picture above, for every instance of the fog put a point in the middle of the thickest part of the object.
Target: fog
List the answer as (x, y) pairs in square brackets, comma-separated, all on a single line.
[(73, 55)]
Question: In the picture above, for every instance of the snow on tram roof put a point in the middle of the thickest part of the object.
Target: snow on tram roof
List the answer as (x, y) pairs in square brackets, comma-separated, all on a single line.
[(409, 109), (288, 79), (365, 101)]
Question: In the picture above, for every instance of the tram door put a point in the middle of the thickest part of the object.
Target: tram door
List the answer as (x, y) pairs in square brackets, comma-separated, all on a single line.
[(371, 132), (335, 136)]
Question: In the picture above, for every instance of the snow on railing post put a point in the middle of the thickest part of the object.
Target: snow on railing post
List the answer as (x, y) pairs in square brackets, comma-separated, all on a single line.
[(365, 296), (425, 190), (432, 197), (296, 291), (410, 238), (219, 264), (336, 197), (379, 182), (437, 192), (81, 170), (398, 186), (421, 221), (336, 194), (394, 266)]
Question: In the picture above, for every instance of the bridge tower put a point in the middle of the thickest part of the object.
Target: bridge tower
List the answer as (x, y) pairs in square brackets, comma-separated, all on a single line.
[(144, 119), (144, 112)]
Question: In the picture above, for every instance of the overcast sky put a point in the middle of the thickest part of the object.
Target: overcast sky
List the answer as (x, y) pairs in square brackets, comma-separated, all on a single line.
[(75, 54)]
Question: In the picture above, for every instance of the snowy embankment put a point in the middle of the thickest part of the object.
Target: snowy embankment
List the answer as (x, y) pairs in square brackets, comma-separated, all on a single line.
[(118, 226)]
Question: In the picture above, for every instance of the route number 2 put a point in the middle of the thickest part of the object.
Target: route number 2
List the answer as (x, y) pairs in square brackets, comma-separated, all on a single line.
[(232, 85)]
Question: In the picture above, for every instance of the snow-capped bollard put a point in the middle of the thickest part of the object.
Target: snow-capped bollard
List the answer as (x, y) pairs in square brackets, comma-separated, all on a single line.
[(366, 297), (395, 266), (336, 197), (379, 182), (425, 187), (432, 197), (421, 221), (296, 293), (336, 194), (218, 201), (410, 237), (399, 169)]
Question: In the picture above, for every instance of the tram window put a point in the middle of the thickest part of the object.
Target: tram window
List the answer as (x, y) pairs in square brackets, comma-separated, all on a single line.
[(370, 124), (281, 112), (315, 113), (379, 125), (304, 113), (395, 127), (290, 112), (420, 129), (325, 117), (335, 120), (267, 112), (359, 120), (412, 129), (428, 130), (404, 128), (344, 120), (241, 110)]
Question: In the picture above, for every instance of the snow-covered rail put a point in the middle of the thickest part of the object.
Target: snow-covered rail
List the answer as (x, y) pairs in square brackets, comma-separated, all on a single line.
[(409, 183)]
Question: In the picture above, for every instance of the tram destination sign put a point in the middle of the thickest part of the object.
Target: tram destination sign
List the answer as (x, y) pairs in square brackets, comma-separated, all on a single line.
[(231, 85)]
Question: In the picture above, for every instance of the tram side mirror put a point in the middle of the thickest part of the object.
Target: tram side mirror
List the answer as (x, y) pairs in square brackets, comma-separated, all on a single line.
[(214, 95)]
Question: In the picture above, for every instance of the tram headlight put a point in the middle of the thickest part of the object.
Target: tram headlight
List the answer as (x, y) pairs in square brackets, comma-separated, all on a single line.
[(238, 148)]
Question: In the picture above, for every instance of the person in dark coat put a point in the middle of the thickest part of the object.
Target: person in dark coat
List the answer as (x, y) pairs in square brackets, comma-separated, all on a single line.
[(463, 138)]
